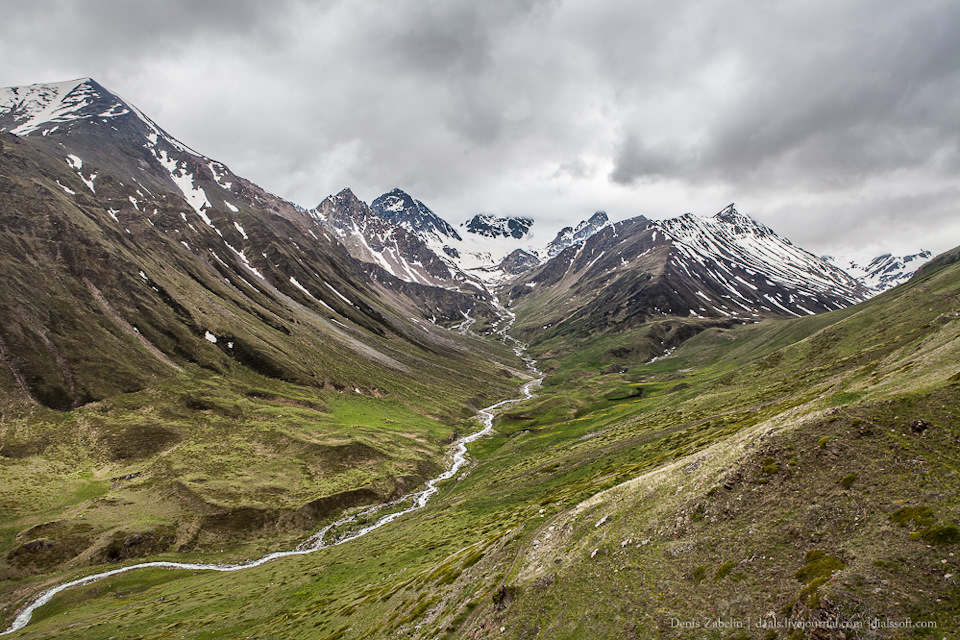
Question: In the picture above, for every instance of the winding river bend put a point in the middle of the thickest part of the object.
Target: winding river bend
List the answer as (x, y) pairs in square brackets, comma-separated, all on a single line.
[(316, 542)]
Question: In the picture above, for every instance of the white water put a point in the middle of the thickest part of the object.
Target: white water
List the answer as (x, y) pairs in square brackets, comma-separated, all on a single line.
[(316, 542)]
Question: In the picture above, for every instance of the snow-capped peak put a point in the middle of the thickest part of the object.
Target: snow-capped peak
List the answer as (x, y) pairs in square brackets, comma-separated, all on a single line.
[(42, 109), (491, 226), (48, 105), (742, 240), (882, 272), (400, 208), (569, 236)]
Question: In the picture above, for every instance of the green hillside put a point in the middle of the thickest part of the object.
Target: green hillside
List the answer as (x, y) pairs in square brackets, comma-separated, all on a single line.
[(774, 477)]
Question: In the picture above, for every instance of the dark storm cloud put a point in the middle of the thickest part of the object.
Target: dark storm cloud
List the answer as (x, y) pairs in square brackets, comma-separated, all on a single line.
[(809, 110), (125, 31), (842, 89)]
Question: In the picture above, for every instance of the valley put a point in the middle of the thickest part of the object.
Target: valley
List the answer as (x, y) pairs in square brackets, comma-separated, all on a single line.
[(347, 528), (767, 472), (731, 438)]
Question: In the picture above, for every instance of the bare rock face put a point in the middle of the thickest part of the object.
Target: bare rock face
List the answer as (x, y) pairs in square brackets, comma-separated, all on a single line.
[(493, 227), (401, 209), (518, 262), (919, 426), (569, 236)]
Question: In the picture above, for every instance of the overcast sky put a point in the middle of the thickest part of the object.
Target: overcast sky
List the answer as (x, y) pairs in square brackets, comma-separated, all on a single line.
[(835, 122)]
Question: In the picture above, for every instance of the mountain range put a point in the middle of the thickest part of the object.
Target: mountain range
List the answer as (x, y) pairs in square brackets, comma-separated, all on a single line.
[(193, 368)]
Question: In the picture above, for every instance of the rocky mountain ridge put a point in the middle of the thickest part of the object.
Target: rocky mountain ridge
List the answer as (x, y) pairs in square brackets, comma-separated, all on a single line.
[(489, 258), (193, 262), (723, 267), (493, 227), (884, 271), (569, 236)]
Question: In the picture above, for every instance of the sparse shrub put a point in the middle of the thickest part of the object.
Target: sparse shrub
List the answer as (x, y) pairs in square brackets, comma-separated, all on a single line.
[(472, 559), (822, 443), (770, 361), (769, 466), (698, 513), (820, 564), (919, 516), (699, 574), (723, 570), (847, 481), (941, 534)]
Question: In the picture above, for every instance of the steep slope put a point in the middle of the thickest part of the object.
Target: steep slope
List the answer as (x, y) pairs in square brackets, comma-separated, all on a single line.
[(99, 174), (230, 275), (723, 267), (771, 477), (187, 362)]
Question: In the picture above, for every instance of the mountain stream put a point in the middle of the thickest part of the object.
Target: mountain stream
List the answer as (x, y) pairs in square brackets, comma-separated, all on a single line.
[(316, 542)]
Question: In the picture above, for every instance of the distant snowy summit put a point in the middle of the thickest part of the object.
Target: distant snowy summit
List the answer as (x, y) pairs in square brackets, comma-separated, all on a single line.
[(569, 236), (401, 209), (493, 227), (883, 272), (405, 237)]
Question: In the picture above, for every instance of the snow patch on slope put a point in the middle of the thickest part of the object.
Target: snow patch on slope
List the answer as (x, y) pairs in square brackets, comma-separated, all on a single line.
[(194, 194)]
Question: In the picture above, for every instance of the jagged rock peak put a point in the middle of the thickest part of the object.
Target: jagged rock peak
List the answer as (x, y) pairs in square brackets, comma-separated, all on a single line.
[(596, 220), (518, 262), (346, 195), (345, 206), (398, 207), (493, 227), (729, 213), (569, 236), (739, 223)]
